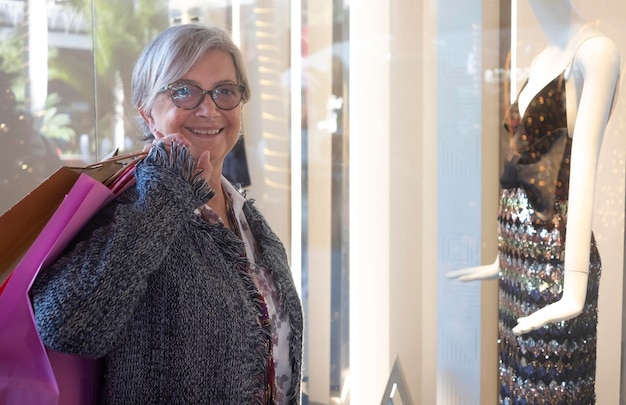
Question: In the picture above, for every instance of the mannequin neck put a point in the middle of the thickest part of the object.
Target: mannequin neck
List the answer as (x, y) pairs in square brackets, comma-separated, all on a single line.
[(558, 19)]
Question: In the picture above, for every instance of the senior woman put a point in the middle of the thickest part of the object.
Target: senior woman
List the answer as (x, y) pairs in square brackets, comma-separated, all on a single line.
[(179, 285)]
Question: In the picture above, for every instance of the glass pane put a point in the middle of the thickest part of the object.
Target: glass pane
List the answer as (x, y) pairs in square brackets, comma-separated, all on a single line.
[(325, 219), (46, 79), (121, 29)]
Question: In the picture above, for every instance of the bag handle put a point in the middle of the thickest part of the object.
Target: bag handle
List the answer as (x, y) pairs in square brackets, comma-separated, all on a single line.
[(108, 169), (118, 159)]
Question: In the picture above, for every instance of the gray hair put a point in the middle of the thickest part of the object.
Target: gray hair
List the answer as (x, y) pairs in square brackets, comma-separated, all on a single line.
[(171, 54)]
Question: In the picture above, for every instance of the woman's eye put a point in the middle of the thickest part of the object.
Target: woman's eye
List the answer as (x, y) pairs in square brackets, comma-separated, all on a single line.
[(181, 92), (226, 91)]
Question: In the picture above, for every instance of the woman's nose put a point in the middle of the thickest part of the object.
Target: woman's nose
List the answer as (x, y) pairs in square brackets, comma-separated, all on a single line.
[(207, 107)]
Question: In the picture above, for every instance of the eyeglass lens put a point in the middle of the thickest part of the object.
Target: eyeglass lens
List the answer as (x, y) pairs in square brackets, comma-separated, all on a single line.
[(188, 96)]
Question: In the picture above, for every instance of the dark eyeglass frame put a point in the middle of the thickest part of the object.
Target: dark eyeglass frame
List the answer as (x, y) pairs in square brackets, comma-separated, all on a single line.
[(214, 92)]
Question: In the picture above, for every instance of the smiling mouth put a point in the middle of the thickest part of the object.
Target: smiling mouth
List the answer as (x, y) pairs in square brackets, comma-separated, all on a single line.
[(205, 131)]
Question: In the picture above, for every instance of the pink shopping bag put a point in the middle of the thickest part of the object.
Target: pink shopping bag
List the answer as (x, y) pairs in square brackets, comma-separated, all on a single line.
[(29, 372), (33, 233)]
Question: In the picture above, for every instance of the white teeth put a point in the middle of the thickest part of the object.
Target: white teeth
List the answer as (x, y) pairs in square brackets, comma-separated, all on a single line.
[(205, 131)]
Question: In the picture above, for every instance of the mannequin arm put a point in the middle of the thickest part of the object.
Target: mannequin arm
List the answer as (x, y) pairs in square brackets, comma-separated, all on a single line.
[(486, 272), (569, 306), (598, 61)]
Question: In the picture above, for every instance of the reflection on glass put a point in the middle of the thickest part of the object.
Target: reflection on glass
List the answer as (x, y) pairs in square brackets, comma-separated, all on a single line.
[(70, 104), (29, 133), (27, 156)]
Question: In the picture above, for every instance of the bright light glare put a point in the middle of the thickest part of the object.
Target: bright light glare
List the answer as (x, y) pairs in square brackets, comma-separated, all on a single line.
[(296, 143), (513, 65)]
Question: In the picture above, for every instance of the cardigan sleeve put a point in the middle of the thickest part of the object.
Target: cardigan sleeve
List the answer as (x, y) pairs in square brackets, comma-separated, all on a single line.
[(83, 301)]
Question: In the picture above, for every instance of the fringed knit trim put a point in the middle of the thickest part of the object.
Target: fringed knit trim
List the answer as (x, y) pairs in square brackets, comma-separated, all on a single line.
[(232, 247), (274, 258), (228, 242), (180, 160), (295, 357), (261, 357), (262, 340)]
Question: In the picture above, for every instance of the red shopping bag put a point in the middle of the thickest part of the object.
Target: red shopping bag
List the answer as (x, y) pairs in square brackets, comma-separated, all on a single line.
[(3, 286), (30, 373)]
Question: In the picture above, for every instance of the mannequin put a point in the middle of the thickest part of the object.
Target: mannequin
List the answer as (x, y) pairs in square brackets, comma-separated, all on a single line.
[(586, 64)]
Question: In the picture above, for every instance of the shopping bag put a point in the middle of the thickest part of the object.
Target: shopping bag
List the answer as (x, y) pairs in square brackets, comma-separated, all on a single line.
[(30, 373), (20, 225), (26, 374)]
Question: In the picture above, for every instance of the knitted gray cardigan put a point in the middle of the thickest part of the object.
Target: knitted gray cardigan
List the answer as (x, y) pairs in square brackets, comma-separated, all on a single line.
[(159, 295)]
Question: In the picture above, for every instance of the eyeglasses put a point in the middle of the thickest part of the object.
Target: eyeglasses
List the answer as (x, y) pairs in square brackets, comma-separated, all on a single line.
[(188, 96)]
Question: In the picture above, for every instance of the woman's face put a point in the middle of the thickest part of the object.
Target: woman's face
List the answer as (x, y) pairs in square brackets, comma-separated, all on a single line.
[(206, 127)]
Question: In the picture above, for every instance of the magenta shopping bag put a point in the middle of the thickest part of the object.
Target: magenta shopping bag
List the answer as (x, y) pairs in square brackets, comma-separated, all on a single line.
[(29, 372)]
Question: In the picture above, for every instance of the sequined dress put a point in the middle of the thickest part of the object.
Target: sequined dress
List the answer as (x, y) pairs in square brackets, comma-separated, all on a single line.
[(555, 364)]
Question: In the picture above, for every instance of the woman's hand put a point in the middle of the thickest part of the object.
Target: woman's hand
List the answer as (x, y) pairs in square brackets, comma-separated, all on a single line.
[(486, 272), (203, 162), (168, 140)]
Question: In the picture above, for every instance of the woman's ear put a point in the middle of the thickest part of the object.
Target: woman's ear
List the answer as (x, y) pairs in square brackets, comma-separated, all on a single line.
[(147, 117)]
